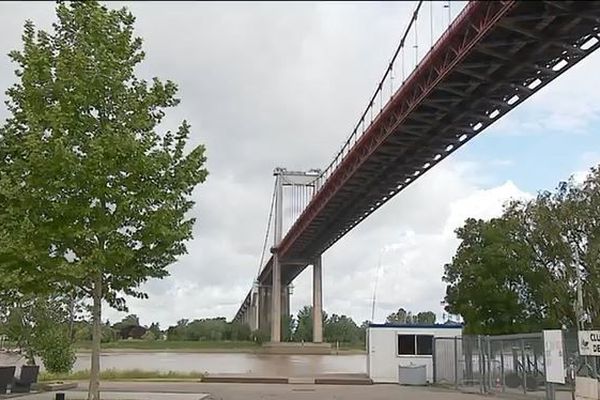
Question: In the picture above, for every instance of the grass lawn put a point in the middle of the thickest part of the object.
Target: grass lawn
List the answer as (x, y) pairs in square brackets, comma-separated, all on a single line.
[(123, 374)]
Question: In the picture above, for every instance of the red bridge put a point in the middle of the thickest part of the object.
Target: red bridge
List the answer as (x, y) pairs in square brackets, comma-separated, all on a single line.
[(494, 56)]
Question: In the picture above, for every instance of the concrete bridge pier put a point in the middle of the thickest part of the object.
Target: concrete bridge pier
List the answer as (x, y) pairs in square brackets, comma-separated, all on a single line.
[(276, 300), (285, 305), (317, 301), (253, 311), (264, 308)]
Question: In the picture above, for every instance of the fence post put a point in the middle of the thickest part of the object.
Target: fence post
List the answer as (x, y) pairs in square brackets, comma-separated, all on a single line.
[(489, 363), (502, 365), (434, 359), (455, 362), (524, 378), (480, 362), (549, 386)]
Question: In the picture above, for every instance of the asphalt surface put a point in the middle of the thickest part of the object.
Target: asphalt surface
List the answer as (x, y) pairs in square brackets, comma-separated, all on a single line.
[(240, 391)]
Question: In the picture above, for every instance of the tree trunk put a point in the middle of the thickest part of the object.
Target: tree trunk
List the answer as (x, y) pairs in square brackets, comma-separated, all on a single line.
[(94, 388), (29, 354), (72, 319)]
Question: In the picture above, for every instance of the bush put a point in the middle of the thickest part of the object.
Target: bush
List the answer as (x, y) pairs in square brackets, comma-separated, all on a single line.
[(57, 353), (512, 380), (149, 335), (260, 336)]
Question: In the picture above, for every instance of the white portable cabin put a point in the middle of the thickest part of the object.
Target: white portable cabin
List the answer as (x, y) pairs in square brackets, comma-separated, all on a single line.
[(392, 345)]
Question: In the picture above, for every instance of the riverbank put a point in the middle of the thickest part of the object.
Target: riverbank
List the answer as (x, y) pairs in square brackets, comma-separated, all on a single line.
[(171, 345), (167, 346), (123, 375)]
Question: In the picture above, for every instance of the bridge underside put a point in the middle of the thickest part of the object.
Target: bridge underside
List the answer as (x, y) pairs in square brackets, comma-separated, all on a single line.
[(493, 57)]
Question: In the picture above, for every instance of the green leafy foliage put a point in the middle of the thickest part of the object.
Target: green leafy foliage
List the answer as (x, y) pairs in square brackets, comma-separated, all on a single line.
[(288, 323), (40, 327), (149, 335), (518, 272), (210, 329), (56, 351), (94, 195), (407, 317), (341, 328), (89, 185), (336, 328)]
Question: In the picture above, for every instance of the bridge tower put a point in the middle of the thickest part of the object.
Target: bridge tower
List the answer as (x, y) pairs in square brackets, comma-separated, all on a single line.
[(280, 304)]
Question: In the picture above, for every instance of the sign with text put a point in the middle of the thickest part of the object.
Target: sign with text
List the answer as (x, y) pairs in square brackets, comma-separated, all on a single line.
[(589, 343), (553, 350)]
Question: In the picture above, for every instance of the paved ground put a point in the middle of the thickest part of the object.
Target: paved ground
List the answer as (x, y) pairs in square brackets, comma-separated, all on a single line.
[(226, 391), (80, 395)]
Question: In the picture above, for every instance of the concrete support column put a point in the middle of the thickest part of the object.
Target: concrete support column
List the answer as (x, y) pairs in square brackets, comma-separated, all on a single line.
[(317, 301), (253, 311), (285, 309), (276, 273), (264, 308), (276, 301), (268, 308), (285, 301)]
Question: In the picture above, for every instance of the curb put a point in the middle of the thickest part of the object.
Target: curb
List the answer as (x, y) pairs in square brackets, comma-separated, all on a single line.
[(288, 380)]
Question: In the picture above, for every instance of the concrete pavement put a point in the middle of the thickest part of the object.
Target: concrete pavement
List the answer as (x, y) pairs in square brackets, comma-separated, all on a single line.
[(222, 391), (81, 395)]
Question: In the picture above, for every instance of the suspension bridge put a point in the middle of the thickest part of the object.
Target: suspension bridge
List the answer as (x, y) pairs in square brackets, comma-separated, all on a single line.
[(487, 61)]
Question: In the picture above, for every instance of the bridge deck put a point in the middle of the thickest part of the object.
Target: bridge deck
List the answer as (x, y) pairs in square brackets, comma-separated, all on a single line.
[(493, 57)]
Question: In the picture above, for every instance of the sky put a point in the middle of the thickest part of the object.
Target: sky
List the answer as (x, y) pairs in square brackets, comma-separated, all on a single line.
[(268, 85)]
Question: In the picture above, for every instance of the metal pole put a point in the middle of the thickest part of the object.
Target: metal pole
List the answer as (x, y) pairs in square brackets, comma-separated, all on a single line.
[(455, 362), (489, 363), (433, 359), (480, 362), (502, 365), (524, 377), (548, 385)]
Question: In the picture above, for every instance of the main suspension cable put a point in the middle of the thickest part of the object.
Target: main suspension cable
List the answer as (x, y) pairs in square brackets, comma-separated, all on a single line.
[(264, 249)]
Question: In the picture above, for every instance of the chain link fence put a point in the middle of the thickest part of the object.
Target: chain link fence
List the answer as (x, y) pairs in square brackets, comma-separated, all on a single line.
[(507, 364)]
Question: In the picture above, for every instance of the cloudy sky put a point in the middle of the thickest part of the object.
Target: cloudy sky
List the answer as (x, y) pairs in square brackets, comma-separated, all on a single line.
[(267, 85)]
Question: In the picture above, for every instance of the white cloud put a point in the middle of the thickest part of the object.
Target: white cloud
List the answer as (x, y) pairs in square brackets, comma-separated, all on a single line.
[(570, 104)]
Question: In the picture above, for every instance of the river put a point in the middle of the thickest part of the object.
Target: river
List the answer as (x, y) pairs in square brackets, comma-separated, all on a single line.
[(234, 363)]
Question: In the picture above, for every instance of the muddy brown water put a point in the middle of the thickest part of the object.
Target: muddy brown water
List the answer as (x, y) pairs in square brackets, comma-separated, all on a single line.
[(215, 363)]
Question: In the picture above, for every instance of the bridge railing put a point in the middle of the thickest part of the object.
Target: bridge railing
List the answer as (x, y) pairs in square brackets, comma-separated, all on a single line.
[(386, 90)]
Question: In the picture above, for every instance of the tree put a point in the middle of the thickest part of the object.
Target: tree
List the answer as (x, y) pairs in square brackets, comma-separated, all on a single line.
[(400, 317), (148, 336), (40, 327), (93, 196), (155, 329), (490, 278), (425, 317), (130, 320), (341, 328), (520, 272), (125, 326), (407, 317), (238, 331), (288, 323), (304, 324)]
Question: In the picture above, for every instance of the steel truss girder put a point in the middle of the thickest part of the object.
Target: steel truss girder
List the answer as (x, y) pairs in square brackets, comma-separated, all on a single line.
[(526, 39)]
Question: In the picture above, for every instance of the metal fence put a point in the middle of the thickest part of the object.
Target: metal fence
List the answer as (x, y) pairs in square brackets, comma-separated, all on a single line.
[(507, 364)]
